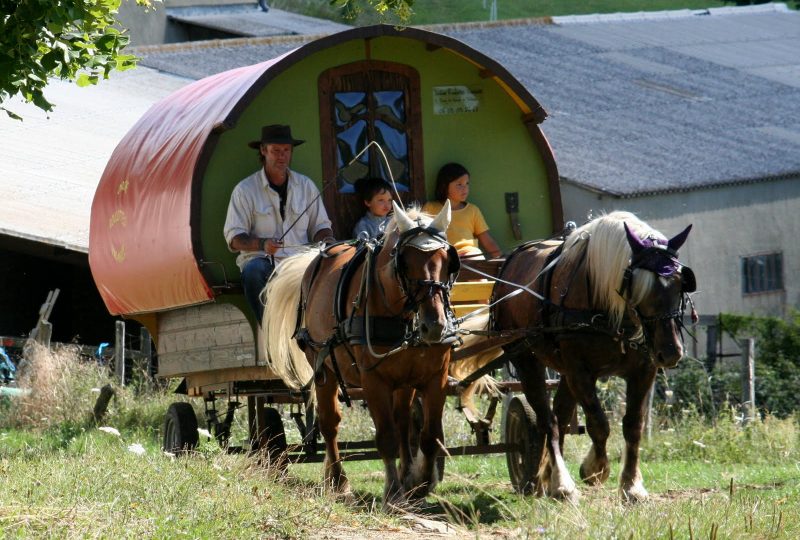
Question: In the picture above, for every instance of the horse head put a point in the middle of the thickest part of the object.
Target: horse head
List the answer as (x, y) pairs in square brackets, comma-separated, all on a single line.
[(659, 299), (426, 266)]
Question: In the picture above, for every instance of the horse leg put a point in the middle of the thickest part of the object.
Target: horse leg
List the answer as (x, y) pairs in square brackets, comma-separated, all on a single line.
[(564, 406), (329, 416), (380, 399), (424, 473), (595, 467), (554, 478), (631, 484), (402, 420)]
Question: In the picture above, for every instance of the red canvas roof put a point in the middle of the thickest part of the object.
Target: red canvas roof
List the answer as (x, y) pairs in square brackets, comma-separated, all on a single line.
[(140, 230)]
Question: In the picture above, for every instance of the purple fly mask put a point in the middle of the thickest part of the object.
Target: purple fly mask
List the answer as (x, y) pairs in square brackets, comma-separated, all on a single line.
[(655, 254)]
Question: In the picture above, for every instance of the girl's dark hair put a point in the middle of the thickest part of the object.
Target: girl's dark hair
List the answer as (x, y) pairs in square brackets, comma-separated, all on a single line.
[(371, 186), (448, 173)]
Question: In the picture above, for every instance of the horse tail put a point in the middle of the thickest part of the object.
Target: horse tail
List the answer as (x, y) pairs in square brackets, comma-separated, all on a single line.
[(284, 356)]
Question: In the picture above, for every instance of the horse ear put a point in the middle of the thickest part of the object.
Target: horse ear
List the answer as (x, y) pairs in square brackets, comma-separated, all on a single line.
[(633, 240), (677, 241), (442, 219), (404, 222)]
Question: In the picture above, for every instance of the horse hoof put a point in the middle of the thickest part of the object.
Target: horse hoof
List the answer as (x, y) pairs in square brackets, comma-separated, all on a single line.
[(595, 478), (417, 493), (635, 494), (571, 496), (346, 497)]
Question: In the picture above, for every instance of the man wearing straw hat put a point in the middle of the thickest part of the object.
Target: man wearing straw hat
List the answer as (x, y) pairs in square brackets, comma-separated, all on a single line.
[(272, 213)]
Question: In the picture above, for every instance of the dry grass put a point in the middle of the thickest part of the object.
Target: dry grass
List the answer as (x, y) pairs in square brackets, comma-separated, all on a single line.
[(60, 385), (64, 387)]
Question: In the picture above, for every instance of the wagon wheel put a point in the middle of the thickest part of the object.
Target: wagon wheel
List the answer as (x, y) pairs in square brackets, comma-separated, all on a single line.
[(180, 429), (270, 437), (415, 427), (525, 445)]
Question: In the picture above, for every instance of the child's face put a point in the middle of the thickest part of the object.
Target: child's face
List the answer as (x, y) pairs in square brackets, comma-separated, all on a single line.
[(458, 189), (380, 204)]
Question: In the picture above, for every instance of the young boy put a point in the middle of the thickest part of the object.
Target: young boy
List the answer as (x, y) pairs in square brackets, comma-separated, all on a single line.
[(377, 196)]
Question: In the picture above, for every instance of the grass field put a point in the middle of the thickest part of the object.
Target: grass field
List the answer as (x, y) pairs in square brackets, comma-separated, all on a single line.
[(63, 476), (95, 486), (449, 11)]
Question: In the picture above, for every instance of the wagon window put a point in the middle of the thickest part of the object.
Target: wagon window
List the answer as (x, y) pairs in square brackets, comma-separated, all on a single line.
[(363, 102)]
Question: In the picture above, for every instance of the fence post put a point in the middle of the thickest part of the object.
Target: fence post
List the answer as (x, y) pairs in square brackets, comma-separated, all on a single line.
[(44, 333), (748, 377), (145, 350), (119, 352), (711, 347)]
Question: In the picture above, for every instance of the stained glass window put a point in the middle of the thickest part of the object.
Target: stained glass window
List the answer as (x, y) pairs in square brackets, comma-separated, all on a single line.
[(361, 117)]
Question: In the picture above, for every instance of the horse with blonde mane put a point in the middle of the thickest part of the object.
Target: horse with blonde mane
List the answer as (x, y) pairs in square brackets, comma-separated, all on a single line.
[(376, 318), (609, 300)]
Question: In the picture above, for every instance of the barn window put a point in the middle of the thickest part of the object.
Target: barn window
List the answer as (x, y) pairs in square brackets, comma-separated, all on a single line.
[(762, 273), (362, 102)]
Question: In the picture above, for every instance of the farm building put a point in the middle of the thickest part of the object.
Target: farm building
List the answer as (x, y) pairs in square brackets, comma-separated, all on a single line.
[(682, 117)]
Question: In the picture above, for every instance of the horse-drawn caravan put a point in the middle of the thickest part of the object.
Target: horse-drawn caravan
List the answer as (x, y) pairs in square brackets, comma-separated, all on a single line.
[(158, 254)]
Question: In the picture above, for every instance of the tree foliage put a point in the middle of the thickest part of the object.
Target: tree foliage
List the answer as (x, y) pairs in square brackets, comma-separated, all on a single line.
[(777, 369), (399, 9), (67, 39)]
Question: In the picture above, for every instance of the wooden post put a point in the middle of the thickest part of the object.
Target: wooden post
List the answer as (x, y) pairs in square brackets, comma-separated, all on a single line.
[(145, 351), (119, 352), (711, 347), (44, 333), (101, 405), (748, 377)]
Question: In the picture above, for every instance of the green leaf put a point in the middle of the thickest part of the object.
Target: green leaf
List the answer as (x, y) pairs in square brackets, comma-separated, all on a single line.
[(85, 80)]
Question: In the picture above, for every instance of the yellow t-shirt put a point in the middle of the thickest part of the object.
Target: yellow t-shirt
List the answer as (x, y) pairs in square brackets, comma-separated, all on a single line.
[(465, 225)]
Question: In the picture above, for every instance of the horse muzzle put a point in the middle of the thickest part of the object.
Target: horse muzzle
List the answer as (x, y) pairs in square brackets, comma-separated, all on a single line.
[(669, 355)]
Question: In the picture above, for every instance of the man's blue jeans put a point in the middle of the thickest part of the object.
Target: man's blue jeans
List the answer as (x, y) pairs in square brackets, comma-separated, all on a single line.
[(254, 277)]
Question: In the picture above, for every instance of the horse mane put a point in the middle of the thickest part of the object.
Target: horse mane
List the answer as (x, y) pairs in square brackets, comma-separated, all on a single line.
[(283, 355), (608, 254)]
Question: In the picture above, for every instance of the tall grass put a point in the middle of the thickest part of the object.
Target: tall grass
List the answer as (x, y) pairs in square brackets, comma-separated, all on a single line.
[(64, 387), (64, 478)]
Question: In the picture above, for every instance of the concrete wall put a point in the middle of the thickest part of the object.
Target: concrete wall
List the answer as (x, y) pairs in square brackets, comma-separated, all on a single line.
[(151, 27), (729, 223), (145, 27)]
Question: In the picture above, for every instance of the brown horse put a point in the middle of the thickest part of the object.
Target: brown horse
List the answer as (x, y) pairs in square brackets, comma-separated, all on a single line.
[(378, 319), (609, 301)]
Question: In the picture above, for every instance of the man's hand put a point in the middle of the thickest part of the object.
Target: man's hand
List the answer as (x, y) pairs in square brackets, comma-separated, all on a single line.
[(271, 245)]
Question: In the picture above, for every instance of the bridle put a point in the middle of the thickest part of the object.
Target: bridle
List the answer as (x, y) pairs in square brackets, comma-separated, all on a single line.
[(415, 290), (649, 259)]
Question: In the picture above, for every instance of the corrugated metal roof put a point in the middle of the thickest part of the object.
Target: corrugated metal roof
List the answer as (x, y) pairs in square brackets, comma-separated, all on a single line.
[(49, 168), (675, 102), (250, 20), (663, 104)]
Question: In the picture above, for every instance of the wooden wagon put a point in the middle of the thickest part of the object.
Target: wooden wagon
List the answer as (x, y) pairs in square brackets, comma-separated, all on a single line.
[(157, 251)]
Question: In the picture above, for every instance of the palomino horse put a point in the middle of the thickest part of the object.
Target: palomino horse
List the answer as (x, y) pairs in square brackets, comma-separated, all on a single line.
[(379, 319), (609, 301)]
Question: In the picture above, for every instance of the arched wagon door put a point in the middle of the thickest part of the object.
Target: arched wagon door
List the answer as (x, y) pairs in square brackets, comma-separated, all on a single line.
[(362, 102)]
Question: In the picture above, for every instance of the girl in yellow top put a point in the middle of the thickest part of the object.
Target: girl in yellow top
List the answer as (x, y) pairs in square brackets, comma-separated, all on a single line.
[(467, 228)]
